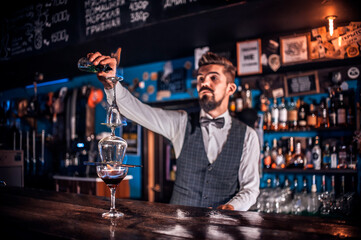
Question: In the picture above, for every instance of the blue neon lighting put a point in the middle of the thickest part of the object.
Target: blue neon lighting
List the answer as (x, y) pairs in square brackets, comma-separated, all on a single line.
[(80, 145), (63, 80)]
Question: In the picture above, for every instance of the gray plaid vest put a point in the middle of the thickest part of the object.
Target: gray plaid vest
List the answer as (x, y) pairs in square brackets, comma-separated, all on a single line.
[(199, 183)]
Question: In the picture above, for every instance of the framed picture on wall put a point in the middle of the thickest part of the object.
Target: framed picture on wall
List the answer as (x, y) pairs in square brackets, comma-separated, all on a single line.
[(301, 84), (295, 48), (249, 57)]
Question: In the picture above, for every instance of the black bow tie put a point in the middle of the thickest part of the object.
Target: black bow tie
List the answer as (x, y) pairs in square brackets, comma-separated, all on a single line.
[(219, 122)]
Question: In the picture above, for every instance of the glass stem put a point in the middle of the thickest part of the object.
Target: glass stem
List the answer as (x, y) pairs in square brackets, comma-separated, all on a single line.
[(115, 96), (112, 199)]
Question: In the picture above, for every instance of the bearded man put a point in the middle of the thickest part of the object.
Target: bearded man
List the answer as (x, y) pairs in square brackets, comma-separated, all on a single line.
[(217, 155)]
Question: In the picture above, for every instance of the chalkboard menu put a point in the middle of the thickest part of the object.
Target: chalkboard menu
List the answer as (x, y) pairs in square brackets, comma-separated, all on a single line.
[(49, 24), (38, 27)]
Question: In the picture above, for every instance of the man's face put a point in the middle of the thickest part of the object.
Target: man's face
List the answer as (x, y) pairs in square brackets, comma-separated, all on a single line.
[(212, 86)]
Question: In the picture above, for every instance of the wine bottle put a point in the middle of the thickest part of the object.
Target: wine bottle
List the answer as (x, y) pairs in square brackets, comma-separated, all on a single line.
[(282, 125), (275, 115)]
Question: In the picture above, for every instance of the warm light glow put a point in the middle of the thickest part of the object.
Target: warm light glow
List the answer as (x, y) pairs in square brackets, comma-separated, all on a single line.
[(330, 24)]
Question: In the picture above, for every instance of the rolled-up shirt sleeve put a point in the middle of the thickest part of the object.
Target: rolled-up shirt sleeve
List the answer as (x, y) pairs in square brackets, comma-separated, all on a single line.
[(248, 175)]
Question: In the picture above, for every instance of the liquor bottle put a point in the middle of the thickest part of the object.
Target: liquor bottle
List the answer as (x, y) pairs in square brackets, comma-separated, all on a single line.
[(326, 157), (323, 184), (298, 158), (342, 156), (85, 65), (247, 97), (352, 156), (334, 157), (308, 153), (263, 103), (333, 191), (295, 186), (350, 116), (302, 115), (333, 114), (316, 154), (280, 159), (341, 112), (232, 106), (275, 115), (238, 99), (274, 151), (292, 115), (322, 121), (267, 161), (267, 119), (282, 125), (313, 202), (289, 155), (312, 116), (342, 187)]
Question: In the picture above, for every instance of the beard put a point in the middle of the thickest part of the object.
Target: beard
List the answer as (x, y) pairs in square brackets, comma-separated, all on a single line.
[(208, 103)]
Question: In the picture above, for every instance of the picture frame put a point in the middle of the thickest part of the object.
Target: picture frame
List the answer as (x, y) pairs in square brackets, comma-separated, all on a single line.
[(249, 57), (301, 84), (295, 48)]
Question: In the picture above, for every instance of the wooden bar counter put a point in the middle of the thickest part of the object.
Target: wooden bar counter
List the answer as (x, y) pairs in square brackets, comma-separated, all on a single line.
[(38, 214)]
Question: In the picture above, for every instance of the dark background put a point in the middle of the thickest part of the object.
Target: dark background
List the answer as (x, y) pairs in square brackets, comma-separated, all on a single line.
[(167, 34)]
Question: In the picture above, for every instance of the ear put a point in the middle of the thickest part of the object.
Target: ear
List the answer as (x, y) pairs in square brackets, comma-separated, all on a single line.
[(231, 88)]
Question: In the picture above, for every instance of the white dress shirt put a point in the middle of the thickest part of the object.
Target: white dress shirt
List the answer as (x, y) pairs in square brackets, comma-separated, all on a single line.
[(172, 125)]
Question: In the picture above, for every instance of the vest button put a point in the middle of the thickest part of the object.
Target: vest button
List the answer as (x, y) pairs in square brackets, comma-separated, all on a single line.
[(205, 197), (209, 168)]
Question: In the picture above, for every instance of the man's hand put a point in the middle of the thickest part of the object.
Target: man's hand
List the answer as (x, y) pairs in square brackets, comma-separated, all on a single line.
[(226, 207), (97, 58)]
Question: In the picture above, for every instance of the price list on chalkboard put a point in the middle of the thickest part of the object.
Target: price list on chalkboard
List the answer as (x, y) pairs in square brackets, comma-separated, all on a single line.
[(39, 27), (49, 24)]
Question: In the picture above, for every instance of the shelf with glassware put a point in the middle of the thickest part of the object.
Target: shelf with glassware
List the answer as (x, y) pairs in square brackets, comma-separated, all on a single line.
[(306, 139)]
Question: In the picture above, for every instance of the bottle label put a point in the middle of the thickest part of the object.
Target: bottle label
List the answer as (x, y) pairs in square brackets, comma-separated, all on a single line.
[(302, 123), (239, 104), (332, 118), (292, 115), (333, 160), (316, 157), (283, 115), (312, 120), (275, 115), (341, 116)]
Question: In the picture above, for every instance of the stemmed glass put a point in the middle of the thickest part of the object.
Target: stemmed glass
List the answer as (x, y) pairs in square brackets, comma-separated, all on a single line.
[(112, 150), (114, 118), (112, 169)]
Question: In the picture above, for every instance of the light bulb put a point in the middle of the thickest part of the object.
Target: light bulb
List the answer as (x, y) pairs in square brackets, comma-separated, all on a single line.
[(330, 24)]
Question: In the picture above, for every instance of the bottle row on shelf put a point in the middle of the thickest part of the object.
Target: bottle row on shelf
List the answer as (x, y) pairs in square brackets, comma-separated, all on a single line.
[(289, 153), (288, 199), (330, 112)]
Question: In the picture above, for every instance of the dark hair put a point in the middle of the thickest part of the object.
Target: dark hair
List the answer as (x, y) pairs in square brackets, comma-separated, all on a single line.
[(211, 58)]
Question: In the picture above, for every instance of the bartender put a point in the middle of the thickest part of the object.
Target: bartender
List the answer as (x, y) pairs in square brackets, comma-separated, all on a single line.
[(217, 155)]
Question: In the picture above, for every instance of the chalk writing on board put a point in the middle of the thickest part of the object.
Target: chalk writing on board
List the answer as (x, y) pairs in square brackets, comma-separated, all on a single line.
[(139, 11), (38, 26), (102, 15), (175, 3), (300, 84)]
